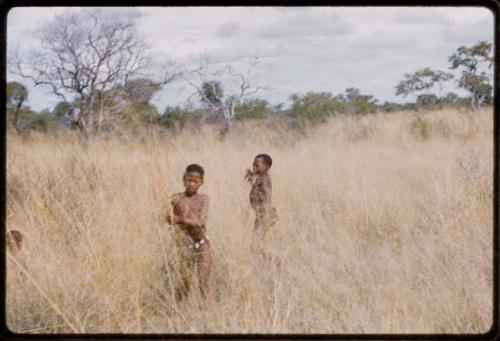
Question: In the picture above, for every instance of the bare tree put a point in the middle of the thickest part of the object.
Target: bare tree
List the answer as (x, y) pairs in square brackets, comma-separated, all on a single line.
[(84, 53), (221, 87)]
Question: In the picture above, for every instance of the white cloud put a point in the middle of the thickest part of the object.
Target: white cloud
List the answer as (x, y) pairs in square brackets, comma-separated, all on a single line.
[(228, 29), (302, 49), (306, 25)]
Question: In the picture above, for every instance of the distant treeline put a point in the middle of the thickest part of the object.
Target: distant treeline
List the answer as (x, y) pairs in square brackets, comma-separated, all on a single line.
[(104, 73), (138, 113)]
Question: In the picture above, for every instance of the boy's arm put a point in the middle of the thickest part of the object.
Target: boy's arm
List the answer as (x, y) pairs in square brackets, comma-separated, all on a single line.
[(170, 215), (267, 208), (174, 199), (267, 188), (205, 204)]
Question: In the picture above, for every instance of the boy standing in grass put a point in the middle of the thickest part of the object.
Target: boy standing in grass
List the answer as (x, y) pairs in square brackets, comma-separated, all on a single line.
[(260, 200), (189, 217)]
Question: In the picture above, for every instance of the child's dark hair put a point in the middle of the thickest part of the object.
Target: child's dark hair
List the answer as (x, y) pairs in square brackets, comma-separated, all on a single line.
[(266, 158), (17, 236), (195, 168)]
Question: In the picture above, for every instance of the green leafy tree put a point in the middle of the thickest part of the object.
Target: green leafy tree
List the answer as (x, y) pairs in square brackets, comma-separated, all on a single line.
[(62, 109), (129, 106), (179, 118), (278, 107), (43, 121), (427, 101), (212, 94), (451, 97), (17, 94), (22, 120), (31, 120), (63, 112), (217, 105), (141, 90), (475, 63), (139, 115), (453, 100), (359, 104), (253, 109), (421, 84), (315, 107), (391, 107)]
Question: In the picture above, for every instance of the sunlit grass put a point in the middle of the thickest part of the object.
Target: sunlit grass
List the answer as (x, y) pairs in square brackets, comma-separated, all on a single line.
[(385, 227)]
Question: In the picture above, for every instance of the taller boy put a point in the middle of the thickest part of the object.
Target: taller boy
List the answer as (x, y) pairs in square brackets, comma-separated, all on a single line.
[(190, 213)]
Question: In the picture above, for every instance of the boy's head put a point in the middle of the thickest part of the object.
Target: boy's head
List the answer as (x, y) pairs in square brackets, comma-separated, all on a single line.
[(262, 163), (14, 241), (193, 178)]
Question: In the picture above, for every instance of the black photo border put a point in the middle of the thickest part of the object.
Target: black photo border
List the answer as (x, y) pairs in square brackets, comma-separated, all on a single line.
[(492, 5)]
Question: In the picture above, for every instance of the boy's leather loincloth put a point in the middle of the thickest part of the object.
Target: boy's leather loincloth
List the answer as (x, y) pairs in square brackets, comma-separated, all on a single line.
[(188, 254)]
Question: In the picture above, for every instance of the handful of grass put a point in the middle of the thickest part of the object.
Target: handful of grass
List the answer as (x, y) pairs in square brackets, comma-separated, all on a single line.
[(249, 176)]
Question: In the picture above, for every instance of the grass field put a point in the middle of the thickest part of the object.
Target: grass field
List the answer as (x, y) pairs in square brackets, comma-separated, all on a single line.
[(385, 227)]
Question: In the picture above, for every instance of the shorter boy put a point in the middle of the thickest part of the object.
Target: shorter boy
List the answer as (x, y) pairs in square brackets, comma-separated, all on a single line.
[(189, 217), (261, 202)]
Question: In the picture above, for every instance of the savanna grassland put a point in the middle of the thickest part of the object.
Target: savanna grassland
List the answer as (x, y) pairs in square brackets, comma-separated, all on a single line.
[(385, 227)]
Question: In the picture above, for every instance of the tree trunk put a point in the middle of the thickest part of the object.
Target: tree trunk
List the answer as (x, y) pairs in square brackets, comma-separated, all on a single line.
[(101, 114), (227, 126), (85, 121), (16, 120), (475, 103), (83, 126), (89, 124)]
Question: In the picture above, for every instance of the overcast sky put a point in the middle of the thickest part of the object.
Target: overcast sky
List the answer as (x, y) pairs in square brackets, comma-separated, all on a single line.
[(301, 49)]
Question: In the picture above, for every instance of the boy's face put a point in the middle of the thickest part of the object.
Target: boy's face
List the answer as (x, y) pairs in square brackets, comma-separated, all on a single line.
[(259, 166), (192, 181)]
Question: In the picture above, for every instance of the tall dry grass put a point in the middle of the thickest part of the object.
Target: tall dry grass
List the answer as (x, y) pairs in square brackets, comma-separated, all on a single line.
[(385, 227)]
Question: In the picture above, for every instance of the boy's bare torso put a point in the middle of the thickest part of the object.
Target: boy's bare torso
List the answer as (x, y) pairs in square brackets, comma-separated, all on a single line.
[(260, 195), (193, 209)]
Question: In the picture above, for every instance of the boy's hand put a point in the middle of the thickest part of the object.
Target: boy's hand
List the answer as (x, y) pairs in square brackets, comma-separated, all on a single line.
[(249, 175), (171, 219)]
